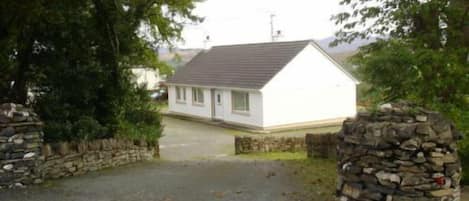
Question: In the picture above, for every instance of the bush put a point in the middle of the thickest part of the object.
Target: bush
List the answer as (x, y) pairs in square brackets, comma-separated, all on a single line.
[(141, 119), (136, 118), (149, 133), (86, 128), (462, 123)]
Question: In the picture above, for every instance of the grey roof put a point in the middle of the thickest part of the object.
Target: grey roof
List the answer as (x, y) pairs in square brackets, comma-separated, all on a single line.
[(248, 66)]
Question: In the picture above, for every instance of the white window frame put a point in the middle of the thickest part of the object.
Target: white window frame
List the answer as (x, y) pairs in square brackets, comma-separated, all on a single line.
[(181, 94), (245, 99), (197, 96)]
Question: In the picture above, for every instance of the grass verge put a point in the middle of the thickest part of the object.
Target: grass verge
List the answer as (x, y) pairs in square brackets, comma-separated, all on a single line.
[(317, 175)]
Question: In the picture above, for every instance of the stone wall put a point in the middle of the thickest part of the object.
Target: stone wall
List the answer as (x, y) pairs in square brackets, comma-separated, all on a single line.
[(70, 159), (20, 146), (25, 159), (256, 144), (321, 145), (399, 153)]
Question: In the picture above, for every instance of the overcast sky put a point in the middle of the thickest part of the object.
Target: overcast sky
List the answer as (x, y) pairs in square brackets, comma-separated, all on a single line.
[(248, 21)]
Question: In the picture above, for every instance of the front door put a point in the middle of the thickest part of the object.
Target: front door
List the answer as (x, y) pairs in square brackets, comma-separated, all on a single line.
[(218, 104)]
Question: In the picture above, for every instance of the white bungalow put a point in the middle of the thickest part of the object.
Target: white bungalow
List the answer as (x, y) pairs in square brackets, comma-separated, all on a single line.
[(147, 77), (264, 86)]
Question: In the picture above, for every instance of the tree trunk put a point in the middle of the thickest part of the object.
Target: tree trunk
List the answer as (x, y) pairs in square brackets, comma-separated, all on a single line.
[(19, 93)]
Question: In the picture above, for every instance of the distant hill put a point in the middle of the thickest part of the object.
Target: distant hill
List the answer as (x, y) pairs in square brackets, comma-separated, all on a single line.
[(344, 47), (179, 57)]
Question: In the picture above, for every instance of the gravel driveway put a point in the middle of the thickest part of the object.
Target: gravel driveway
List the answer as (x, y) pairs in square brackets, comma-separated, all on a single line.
[(170, 181), (197, 164), (187, 140)]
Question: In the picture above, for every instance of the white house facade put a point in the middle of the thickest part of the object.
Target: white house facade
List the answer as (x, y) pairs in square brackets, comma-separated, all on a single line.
[(148, 77), (217, 104), (264, 86)]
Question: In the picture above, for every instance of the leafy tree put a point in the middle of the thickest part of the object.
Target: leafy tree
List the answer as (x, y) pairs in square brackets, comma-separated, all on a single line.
[(76, 56), (422, 53)]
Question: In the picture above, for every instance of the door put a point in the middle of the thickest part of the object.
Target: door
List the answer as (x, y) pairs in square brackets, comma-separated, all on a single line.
[(218, 104)]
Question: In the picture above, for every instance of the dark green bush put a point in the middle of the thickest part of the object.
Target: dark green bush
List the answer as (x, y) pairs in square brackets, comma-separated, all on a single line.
[(141, 124), (86, 128), (142, 120), (462, 123)]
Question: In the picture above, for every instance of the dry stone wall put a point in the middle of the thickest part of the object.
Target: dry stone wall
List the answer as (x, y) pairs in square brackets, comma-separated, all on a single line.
[(70, 159), (321, 145), (399, 153), (25, 159), (20, 146), (256, 144)]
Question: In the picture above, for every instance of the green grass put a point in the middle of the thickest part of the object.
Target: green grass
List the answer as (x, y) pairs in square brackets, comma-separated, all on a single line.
[(317, 175)]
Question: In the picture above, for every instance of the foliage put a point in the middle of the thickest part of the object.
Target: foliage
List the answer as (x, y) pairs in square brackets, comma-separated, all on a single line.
[(423, 54), (397, 70), (142, 120), (461, 119), (76, 56)]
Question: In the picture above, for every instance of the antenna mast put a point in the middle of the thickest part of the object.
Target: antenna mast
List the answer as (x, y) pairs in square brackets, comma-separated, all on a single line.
[(206, 41), (272, 36)]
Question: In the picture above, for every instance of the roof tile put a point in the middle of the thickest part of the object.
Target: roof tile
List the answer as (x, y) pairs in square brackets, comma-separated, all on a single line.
[(240, 66)]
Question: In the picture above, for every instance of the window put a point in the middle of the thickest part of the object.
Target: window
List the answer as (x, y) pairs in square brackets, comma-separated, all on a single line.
[(197, 95), (218, 99), (240, 101), (181, 94)]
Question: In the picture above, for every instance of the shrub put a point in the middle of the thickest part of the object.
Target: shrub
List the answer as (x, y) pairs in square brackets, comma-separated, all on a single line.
[(86, 128), (462, 123), (136, 118), (141, 119)]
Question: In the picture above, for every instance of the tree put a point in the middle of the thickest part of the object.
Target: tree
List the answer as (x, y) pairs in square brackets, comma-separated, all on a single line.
[(422, 53), (75, 56)]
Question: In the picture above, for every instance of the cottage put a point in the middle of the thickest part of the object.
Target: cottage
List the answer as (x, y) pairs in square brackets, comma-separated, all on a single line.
[(264, 86), (147, 77)]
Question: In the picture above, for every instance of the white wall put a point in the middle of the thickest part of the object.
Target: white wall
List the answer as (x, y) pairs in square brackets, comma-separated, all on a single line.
[(189, 107), (148, 76), (309, 88), (252, 118)]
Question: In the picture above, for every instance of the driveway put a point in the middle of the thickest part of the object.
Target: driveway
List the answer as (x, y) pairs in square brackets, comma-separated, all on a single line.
[(188, 140), (170, 181), (197, 164)]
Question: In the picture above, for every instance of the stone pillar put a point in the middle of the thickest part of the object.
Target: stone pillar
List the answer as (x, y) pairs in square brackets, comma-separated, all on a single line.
[(20, 146), (398, 153)]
